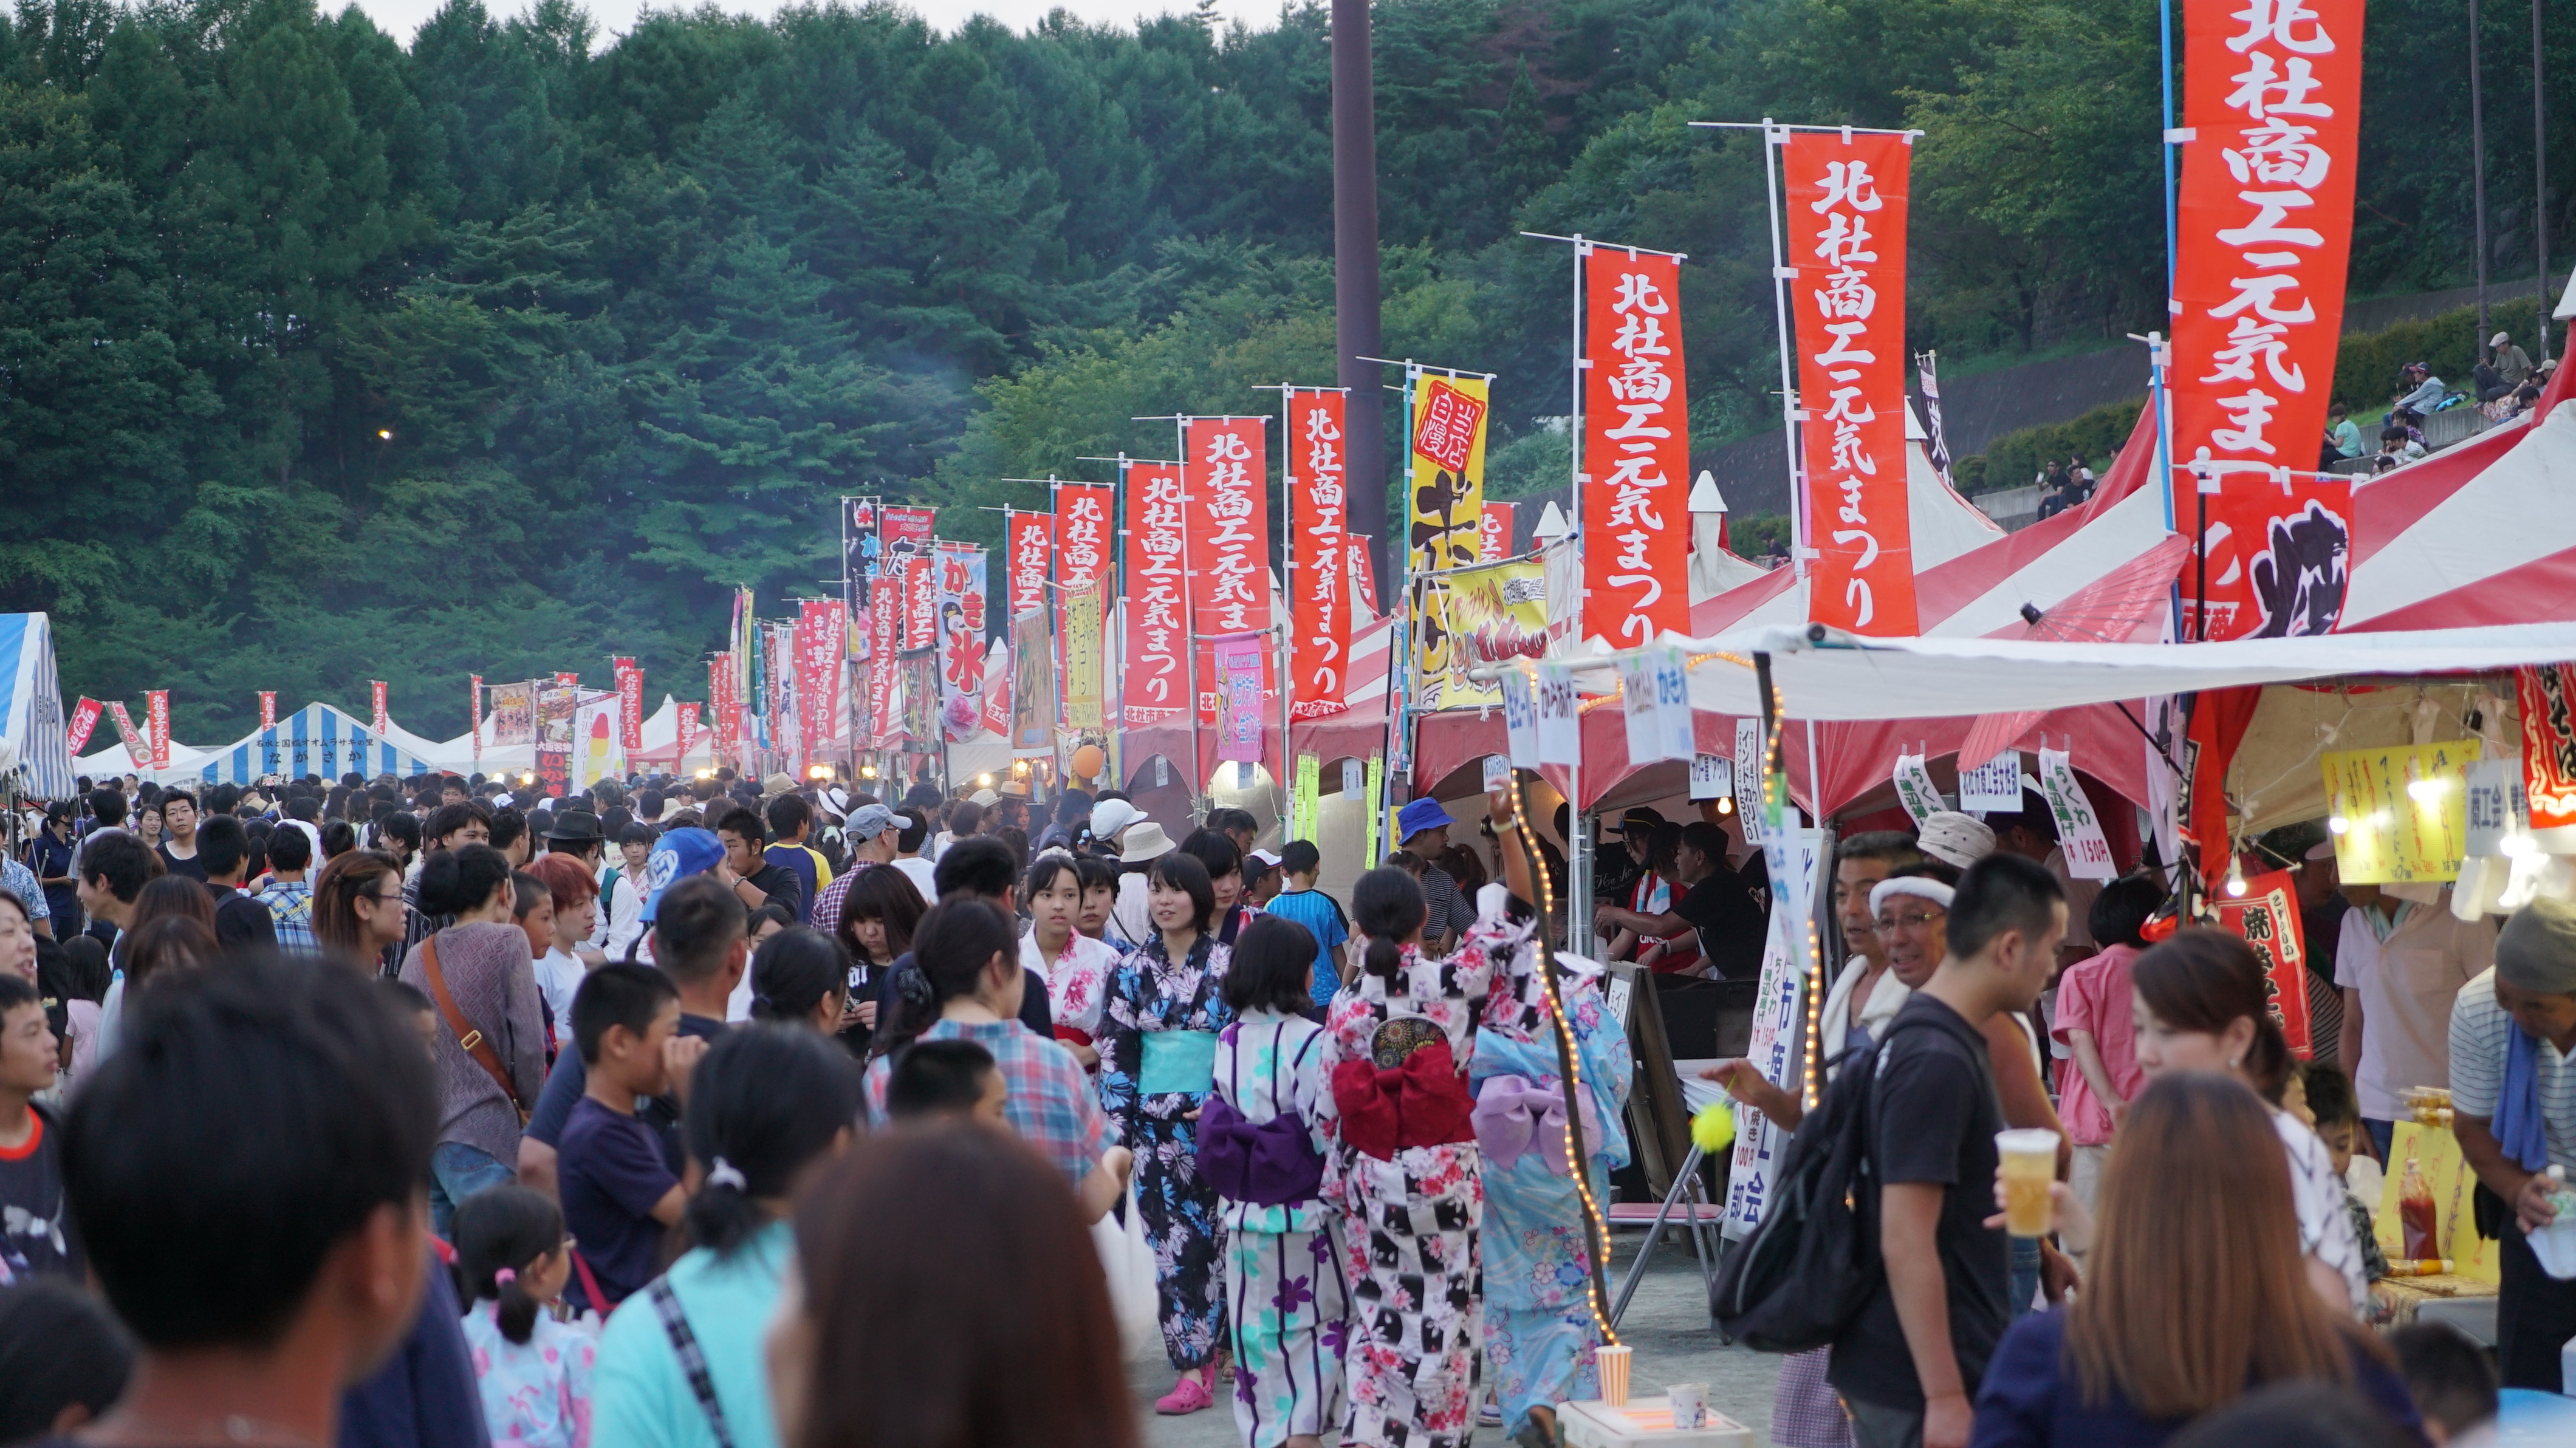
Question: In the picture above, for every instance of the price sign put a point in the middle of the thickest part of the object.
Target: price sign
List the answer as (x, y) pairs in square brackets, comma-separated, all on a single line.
[(1560, 727), (1520, 717), (1712, 776)]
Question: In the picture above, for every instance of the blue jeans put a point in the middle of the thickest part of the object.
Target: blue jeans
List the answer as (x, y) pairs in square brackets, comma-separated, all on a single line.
[(458, 1171), (2025, 1273), (2382, 1133)]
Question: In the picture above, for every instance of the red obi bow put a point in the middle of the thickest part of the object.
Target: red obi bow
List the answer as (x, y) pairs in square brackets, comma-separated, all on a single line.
[(1421, 1103)]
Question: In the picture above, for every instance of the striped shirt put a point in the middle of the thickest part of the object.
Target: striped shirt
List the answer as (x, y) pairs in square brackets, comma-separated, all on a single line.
[(1051, 1103), (2480, 1033)]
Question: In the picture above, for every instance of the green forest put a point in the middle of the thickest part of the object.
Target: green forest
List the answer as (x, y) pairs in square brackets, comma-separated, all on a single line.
[(329, 355)]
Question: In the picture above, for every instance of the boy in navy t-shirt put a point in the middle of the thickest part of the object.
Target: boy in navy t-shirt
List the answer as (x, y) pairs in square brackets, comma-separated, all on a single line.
[(618, 1194)]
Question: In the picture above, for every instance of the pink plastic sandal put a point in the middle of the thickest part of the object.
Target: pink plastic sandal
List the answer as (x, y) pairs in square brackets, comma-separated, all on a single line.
[(1189, 1395)]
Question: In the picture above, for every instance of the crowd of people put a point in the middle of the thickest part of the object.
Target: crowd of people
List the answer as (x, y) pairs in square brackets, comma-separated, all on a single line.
[(440, 1112), (2213, 1230)]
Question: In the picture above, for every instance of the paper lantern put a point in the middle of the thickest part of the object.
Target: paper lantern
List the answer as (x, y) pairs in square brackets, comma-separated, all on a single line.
[(1088, 761)]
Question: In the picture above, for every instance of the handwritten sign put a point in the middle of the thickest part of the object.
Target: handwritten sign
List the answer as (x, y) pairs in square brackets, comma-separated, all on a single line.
[(2079, 830), (1560, 724), (1748, 778), (1520, 717), (2266, 917), (1914, 788), (2405, 811), (1993, 787), (1712, 776)]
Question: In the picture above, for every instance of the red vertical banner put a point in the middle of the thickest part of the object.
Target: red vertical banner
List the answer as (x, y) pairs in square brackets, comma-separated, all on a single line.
[(1224, 476), (569, 681), (1846, 237), (2267, 917), (84, 719), (821, 624), (1085, 516), (267, 709), (383, 719), (885, 636), (474, 715), (687, 735), (1153, 680), (156, 718), (630, 705), (1636, 448), (1319, 610), (1028, 542), (1494, 531), (1363, 580), (2272, 98), (720, 699)]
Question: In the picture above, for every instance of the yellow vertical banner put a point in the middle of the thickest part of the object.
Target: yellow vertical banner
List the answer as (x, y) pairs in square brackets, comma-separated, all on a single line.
[(2404, 812), (1444, 505), (1376, 807), (1305, 802), (1083, 675)]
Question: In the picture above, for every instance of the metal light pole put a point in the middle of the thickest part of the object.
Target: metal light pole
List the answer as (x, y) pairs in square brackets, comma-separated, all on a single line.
[(2478, 169), (2540, 178), (1355, 279)]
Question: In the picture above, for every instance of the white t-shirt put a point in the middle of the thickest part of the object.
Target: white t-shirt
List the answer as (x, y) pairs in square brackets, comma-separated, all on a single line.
[(2407, 984), (2325, 1224), (559, 976), (917, 870)]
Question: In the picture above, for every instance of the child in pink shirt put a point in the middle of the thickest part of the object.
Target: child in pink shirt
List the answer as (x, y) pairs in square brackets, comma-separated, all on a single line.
[(2095, 1022)]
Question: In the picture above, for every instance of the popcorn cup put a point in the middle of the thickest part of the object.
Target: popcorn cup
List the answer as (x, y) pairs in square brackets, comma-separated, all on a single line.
[(1613, 1362), (1690, 1405)]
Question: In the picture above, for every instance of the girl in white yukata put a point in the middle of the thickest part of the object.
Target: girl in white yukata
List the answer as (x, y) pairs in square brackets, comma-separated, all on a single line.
[(1075, 967), (1261, 1144), (1405, 1170)]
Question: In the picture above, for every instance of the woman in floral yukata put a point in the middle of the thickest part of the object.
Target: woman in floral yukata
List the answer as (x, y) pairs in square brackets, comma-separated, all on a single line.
[(1158, 1040), (1539, 1328), (1261, 1143), (1405, 1169)]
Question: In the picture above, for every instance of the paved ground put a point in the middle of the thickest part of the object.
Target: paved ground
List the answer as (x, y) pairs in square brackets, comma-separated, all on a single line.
[(1667, 1324)]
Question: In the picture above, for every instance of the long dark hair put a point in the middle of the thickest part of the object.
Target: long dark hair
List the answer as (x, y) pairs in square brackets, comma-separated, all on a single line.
[(2205, 980), (990, 1325), (506, 1228), (767, 1100), (1387, 906), (886, 894)]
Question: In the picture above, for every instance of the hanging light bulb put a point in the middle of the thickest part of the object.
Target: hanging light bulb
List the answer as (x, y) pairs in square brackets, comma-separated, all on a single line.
[(2235, 880), (2338, 825), (1725, 804), (984, 781)]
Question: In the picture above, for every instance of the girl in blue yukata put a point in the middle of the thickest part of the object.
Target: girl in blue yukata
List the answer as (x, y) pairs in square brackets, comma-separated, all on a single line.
[(1539, 1328), (1158, 1045), (1261, 1144)]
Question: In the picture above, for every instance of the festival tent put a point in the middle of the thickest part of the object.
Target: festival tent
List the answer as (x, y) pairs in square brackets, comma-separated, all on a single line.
[(1961, 558), (32, 738), (115, 760), (663, 750), (2475, 535), (316, 739)]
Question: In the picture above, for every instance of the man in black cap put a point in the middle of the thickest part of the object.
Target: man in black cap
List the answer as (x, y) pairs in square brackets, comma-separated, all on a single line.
[(1615, 872)]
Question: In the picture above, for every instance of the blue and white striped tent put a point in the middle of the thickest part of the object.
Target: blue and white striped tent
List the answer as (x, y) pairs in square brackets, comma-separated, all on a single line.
[(316, 739), (31, 709)]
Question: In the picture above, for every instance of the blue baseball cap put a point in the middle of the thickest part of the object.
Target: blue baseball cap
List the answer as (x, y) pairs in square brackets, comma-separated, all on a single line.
[(676, 856), (1422, 814)]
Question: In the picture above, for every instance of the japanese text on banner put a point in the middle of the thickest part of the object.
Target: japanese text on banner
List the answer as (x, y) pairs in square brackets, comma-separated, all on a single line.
[(2272, 95), (1319, 614), (1238, 689), (2266, 917), (1495, 613), (2405, 811), (1225, 478), (1847, 205), (630, 703), (2079, 830), (2547, 694), (1636, 449), (1083, 513), (1029, 549), (1494, 531), (961, 573), (1445, 485), (84, 719), (1153, 680)]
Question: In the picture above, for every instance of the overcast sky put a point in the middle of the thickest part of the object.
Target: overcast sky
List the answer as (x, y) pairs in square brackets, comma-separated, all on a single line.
[(401, 18)]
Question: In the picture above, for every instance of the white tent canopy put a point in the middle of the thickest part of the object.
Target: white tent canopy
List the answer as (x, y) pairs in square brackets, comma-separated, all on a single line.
[(1842, 677)]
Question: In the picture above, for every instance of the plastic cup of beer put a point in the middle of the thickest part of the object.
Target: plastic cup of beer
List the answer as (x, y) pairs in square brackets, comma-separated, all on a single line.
[(1614, 1374), (2029, 1167), (1690, 1405)]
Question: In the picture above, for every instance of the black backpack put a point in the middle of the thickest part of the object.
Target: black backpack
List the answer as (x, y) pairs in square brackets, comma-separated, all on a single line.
[(1813, 1262)]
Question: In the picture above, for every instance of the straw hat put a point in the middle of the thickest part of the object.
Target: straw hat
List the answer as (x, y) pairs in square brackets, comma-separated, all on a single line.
[(1145, 841)]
